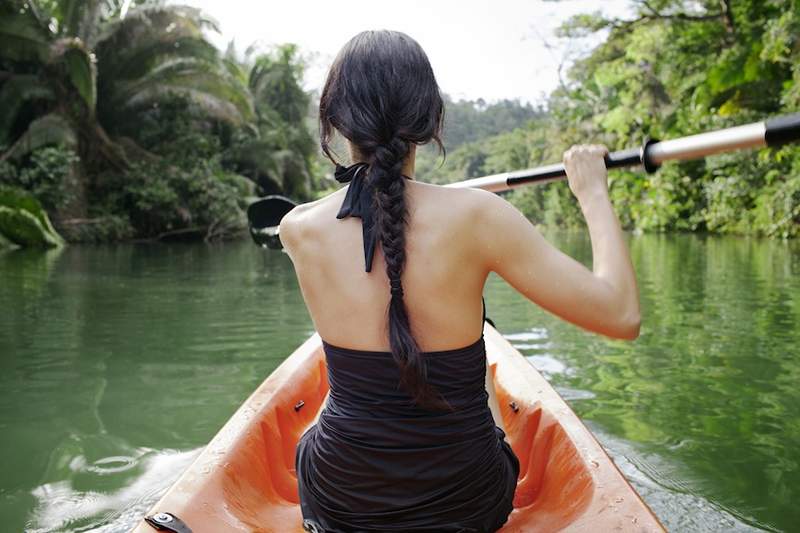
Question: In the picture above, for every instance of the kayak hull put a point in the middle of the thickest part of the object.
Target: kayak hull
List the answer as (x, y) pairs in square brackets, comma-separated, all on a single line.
[(244, 480)]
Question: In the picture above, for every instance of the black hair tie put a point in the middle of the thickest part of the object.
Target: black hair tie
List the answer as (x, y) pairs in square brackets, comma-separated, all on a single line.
[(396, 287)]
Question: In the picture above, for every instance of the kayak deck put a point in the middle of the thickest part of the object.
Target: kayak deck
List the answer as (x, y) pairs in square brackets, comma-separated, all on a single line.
[(244, 480)]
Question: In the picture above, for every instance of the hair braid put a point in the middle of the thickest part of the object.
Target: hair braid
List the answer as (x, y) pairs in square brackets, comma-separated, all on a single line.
[(391, 221), (381, 95)]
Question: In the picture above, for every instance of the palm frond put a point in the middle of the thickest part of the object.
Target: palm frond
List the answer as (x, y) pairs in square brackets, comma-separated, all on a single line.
[(209, 104), (24, 222), (78, 67), (48, 130), (236, 73), (14, 94), (274, 84), (160, 50), (75, 15), (187, 74), (22, 37), (142, 25), (255, 158)]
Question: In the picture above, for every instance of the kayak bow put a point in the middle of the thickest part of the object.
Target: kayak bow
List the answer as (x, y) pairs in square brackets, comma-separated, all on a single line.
[(244, 480)]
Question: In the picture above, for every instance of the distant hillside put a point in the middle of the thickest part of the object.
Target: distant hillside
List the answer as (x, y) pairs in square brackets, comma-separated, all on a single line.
[(468, 125), (472, 120)]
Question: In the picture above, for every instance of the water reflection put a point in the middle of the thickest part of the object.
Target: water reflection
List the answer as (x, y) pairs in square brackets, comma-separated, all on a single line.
[(711, 384), (94, 495), (131, 351), (117, 362)]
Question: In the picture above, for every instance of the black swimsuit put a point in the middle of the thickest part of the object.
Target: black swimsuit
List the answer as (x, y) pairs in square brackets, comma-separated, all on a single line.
[(377, 462)]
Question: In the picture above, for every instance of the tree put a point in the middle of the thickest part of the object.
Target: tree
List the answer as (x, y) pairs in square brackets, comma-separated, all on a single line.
[(678, 67), (74, 72), (276, 153)]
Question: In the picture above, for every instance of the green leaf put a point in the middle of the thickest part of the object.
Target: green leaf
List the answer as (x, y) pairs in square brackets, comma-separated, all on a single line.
[(79, 18), (24, 222), (48, 130), (158, 51), (21, 227), (22, 38), (80, 71), (217, 95), (14, 94)]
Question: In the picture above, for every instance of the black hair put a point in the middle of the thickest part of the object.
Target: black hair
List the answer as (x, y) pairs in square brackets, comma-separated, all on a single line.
[(382, 96)]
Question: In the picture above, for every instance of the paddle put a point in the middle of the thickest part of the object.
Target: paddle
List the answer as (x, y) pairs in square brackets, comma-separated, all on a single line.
[(263, 217), (650, 155)]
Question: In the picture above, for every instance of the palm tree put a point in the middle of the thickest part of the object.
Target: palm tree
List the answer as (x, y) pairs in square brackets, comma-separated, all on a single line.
[(277, 152), (71, 70)]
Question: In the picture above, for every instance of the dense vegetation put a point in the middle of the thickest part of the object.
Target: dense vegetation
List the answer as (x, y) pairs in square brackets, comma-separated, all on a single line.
[(673, 68), (124, 121), (120, 120)]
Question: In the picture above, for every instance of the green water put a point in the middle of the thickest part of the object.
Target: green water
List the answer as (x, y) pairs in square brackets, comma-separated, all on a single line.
[(118, 363)]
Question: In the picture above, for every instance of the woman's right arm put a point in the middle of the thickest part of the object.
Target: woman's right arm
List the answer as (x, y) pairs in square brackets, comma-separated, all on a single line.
[(604, 300)]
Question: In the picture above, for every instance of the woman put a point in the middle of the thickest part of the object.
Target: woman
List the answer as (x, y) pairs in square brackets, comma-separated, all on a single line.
[(407, 440)]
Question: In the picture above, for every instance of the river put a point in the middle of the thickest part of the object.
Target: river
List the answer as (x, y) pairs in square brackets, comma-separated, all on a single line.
[(117, 363)]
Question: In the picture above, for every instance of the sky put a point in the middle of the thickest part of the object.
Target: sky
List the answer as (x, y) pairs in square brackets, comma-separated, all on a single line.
[(478, 49)]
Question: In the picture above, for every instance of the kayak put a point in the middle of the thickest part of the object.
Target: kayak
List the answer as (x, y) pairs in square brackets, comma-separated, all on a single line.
[(244, 480)]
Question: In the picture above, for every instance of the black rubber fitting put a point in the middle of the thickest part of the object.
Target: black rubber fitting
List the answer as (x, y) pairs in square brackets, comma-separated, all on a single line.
[(649, 165), (782, 130), (168, 522)]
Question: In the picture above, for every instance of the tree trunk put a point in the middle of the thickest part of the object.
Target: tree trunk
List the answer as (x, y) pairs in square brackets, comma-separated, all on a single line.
[(727, 16), (77, 206)]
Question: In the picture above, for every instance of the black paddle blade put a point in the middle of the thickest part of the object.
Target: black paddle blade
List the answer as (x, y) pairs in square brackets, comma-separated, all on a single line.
[(264, 216)]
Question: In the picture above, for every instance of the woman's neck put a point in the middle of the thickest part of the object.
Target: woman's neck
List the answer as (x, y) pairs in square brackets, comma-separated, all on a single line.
[(408, 163)]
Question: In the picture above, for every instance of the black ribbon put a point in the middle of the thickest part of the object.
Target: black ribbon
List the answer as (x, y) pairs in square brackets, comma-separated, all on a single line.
[(358, 203)]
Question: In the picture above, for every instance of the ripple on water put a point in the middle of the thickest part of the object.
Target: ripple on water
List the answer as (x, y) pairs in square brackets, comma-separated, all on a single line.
[(571, 395), (548, 365), (112, 465), (669, 493), (536, 340), (60, 505), (534, 334)]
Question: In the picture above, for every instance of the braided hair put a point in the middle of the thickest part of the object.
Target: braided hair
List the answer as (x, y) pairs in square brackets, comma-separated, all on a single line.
[(382, 96)]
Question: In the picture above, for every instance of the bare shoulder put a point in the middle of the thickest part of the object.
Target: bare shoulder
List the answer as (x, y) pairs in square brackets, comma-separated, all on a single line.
[(301, 223), (492, 222), (489, 209), (463, 200)]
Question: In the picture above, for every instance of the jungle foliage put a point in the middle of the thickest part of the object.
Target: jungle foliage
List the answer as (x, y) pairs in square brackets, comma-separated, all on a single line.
[(673, 68), (126, 122)]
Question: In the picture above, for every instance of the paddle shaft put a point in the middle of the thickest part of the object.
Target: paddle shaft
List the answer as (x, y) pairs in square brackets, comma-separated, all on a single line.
[(652, 153), (264, 215)]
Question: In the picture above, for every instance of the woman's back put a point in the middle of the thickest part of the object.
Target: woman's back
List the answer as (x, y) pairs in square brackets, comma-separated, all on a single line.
[(407, 441), (442, 281)]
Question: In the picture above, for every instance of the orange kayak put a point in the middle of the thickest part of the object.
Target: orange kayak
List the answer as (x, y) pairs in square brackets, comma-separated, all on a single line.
[(244, 480)]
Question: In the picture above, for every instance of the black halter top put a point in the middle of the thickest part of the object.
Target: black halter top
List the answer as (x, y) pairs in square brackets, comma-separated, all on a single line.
[(377, 462)]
